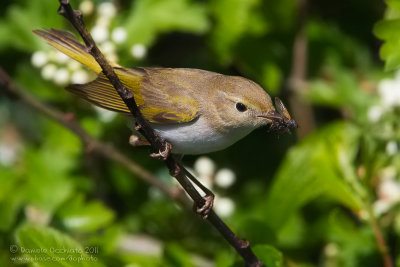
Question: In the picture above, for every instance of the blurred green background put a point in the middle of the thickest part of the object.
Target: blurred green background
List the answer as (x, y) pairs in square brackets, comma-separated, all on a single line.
[(326, 196)]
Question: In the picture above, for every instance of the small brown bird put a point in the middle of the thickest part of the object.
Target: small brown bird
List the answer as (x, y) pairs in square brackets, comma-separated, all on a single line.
[(197, 111)]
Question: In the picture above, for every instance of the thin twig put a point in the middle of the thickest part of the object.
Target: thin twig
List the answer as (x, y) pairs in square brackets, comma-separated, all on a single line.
[(158, 143), (296, 81), (380, 239)]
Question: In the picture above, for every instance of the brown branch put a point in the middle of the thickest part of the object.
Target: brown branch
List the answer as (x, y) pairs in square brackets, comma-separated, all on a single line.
[(296, 81), (91, 144), (158, 143), (380, 239)]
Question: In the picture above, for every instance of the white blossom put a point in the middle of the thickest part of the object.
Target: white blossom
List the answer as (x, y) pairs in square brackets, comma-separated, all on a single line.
[(61, 76), (224, 206), (139, 51), (79, 77), (48, 71), (39, 59), (99, 33), (8, 154), (107, 10), (331, 250), (388, 194), (389, 190), (389, 90), (119, 35), (391, 148), (73, 65), (204, 166), (380, 207), (86, 7), (61, 57), (375, 113), (105, 115), (225, 178), (107, 48)]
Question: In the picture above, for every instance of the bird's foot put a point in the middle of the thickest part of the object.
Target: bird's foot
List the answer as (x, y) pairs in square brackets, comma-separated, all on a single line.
[(205, 209), (164, 154)]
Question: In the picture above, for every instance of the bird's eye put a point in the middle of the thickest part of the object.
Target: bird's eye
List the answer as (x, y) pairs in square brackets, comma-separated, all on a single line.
[(241, 107)]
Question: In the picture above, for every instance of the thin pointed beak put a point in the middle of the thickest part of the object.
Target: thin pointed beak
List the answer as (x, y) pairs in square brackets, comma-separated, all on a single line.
[(272, 116)]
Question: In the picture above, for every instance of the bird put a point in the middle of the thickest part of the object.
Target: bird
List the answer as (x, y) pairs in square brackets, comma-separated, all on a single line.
[(196, 111)]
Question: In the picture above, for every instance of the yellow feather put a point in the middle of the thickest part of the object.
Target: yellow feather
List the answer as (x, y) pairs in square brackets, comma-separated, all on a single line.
[(158, 101)]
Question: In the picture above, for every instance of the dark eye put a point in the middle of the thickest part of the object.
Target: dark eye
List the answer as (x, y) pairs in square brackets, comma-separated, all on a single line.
[(241, 107)]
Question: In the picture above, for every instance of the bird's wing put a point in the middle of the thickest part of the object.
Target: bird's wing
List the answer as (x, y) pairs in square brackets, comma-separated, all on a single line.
[(159, 101)]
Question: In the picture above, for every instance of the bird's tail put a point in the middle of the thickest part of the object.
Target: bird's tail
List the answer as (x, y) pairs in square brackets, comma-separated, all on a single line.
[(69, 45)]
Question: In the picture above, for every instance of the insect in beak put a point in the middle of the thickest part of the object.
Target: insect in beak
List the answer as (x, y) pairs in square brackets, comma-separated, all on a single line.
[(281, 121)]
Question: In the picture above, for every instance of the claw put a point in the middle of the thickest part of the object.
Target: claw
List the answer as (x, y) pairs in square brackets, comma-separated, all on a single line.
[(163, 155), (207, 206)]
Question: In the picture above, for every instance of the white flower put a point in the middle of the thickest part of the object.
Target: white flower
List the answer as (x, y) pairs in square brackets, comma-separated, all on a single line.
[(39, 58), (204, 166), (389, 90), (61, 76), (224, 206), (391, 148), (61, 57), (99, 33), (48, 71), (375, 113), (331, 250), (138, 51), (105, 115), (118, 35), (73, 65), (107, 10), (80, 76), (380, 207), (112, 58), (8, 154), (107, 48), (140, 244), (225, 178), (389, 191), (86, 7)]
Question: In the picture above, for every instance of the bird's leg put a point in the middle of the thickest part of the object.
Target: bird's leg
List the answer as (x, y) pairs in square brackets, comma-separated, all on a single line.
[(205, 209)]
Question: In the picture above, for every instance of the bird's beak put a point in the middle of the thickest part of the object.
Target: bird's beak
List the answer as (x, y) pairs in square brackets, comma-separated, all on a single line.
[(273, 116)]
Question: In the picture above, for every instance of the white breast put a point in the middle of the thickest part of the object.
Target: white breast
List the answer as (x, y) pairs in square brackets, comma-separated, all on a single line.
[(197, 137)]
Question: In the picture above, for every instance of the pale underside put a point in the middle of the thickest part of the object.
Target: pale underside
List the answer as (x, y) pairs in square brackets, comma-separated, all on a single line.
[(197, 137)]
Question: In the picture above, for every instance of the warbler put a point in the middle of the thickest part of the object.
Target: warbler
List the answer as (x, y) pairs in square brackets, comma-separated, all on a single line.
[(197, 111)]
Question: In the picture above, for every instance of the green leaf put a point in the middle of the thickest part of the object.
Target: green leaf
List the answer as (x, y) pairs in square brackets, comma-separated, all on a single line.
[(233, 19), (269, 255), (320, 165), (175, 255), (45, 246), (47, 184), (148, 18), (355, 243), (20, 19), (224, 259), (388, 30), (85, 217), (340, 90)]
